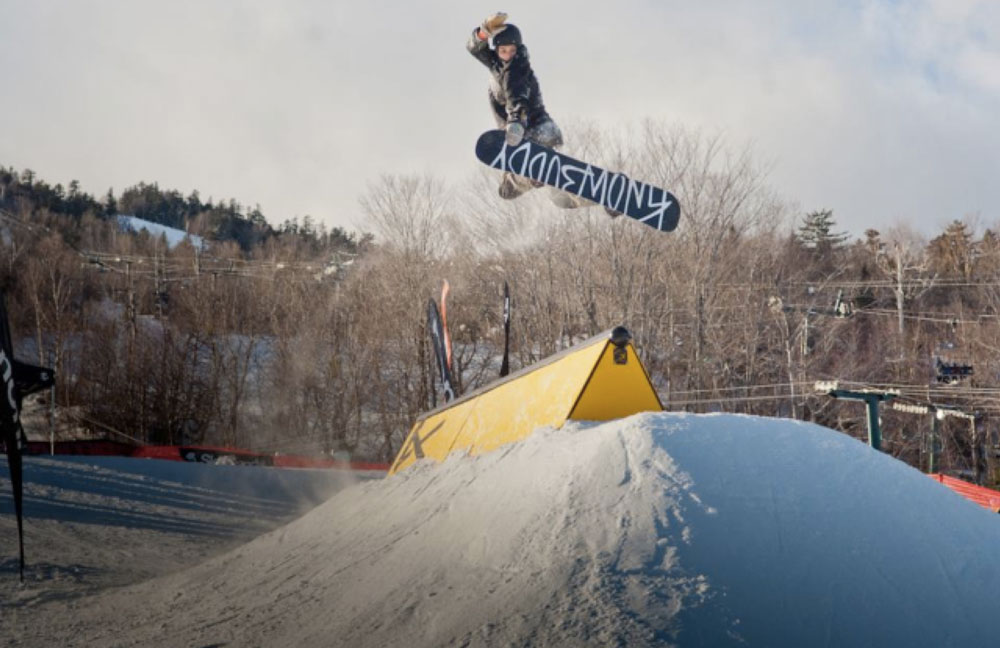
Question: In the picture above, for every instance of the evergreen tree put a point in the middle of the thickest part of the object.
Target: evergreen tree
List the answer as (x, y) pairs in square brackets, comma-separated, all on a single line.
[(194, 203), (816, 232), (110, 203)]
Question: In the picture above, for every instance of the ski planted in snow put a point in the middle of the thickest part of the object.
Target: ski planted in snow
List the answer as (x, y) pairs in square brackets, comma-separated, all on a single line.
[(437, 331), (445, 290)]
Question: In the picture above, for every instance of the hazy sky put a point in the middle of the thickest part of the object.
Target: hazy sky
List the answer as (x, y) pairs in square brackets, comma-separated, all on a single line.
[(883, 111)]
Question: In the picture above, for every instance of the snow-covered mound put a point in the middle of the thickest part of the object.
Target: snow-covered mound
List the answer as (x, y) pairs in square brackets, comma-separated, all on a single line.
[(657, 529)]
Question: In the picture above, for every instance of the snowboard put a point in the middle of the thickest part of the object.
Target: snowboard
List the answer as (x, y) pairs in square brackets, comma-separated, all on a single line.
[(440, 353), (645, 203)]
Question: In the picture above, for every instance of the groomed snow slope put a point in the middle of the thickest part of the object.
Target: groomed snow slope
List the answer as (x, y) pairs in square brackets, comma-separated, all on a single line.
[(653, 530), (93, 522), (174, 236)]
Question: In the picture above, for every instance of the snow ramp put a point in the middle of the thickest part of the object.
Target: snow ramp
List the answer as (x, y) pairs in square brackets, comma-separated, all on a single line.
[(600, 379), (659, 529)]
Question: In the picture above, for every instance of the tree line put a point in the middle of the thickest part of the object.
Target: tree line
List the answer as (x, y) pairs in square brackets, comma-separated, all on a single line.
[(297, 340), (215, 220)]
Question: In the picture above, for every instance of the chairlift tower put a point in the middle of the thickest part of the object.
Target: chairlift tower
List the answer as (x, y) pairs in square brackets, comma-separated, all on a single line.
[(940, 412), (973, 437), (934, 441), (871, 398)]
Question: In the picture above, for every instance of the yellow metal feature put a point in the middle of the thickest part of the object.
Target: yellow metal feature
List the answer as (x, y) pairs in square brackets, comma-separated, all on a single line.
[(543, 397), (616, 390), (433, 436), (583, 383)]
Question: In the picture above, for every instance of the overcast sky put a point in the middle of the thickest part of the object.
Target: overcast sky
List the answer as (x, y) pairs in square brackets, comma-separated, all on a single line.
[(883, 111)]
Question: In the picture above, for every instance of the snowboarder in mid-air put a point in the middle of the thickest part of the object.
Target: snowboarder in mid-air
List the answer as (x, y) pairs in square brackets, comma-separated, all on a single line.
[(525, 146), (515, 97)]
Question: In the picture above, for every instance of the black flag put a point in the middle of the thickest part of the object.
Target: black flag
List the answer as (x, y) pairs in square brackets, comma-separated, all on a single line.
[(504, 366), (19, 380)]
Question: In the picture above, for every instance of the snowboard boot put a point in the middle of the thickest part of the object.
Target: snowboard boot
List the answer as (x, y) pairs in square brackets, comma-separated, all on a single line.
[(509, 187)]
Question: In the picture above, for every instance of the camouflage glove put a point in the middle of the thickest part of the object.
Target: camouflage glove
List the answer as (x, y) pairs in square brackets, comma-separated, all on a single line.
[(493, 25)]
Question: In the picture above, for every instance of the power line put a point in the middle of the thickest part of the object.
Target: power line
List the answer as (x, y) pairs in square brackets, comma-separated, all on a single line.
[(914, 392), (741, 399), (725, 389)]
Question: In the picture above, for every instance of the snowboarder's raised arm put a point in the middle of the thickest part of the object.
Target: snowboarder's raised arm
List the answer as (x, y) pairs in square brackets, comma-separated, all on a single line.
[(479, 42), (480, 49)]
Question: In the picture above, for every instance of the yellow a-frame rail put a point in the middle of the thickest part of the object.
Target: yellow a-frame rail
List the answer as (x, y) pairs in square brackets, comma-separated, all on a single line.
[(597, 380)]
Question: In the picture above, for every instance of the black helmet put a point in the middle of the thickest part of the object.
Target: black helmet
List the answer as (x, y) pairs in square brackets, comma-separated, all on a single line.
[(509, 36)]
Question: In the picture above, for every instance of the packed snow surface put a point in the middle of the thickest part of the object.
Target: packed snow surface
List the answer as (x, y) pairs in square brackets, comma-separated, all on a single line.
[(97, 522), (658, 529)]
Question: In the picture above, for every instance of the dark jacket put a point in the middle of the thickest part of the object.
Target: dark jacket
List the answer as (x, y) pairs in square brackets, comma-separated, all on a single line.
[(514, 92)]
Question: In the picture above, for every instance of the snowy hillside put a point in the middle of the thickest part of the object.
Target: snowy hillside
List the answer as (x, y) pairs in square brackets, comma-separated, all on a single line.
[(658, 529), (174, 236)]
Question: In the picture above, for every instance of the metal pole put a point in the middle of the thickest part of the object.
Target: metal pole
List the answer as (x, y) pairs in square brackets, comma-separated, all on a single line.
[(934, 446), (52, 410), (805, 335), (871, 398), (874, 432), (899, 295), (974, 437)]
